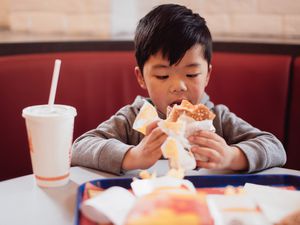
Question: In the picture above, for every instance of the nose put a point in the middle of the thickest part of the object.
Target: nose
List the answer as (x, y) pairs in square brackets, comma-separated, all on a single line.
[(178, 86)]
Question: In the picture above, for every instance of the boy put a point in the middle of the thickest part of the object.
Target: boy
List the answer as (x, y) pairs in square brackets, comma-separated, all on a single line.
[(173, 49)]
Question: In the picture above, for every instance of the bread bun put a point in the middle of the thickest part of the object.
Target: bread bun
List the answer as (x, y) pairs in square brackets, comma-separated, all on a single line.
[(198, 112), (174, 207)]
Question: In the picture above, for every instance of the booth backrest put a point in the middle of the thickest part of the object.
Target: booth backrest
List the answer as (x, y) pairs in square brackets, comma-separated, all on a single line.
[(293, 144), (253, 86), (97, 84)]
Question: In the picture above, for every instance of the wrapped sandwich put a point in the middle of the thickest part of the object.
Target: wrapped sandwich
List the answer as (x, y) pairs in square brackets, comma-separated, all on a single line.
[(182, 121), (170, 206), (198, 112)]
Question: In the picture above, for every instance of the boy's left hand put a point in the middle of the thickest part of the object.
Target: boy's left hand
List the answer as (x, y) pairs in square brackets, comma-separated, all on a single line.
[(220, 155)]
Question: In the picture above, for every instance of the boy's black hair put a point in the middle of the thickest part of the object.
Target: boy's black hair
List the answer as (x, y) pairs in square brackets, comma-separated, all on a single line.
[(173, 29)]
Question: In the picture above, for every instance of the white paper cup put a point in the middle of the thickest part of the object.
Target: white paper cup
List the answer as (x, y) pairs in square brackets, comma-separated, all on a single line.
[(50, 136)]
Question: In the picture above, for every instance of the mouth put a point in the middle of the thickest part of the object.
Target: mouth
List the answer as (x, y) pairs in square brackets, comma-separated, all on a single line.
[(176, 102)]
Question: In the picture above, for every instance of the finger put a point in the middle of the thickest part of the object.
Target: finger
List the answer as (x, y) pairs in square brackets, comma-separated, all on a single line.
[(205, 142), (155, 133), (155, 139), (208, 135), (162, 138), (157, 143), (207, 165), (151, 126), (210, 154)]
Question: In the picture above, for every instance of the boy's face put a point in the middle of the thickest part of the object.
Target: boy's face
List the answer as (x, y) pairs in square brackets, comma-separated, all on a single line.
[(168, 85)]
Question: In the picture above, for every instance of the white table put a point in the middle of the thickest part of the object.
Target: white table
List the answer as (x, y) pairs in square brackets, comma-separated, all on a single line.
[(22, 202)]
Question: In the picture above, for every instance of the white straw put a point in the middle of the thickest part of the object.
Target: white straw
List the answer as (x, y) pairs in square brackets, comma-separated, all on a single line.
[(54, 82)]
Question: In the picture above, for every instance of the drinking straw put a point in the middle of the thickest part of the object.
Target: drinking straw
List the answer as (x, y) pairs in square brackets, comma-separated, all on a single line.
[(54, 82)]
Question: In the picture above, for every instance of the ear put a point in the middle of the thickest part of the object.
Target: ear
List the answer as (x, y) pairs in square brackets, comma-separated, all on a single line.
[(140, 78), (208, 74)]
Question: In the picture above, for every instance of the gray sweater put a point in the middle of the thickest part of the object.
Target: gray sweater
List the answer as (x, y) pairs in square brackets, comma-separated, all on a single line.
[(105, 147)]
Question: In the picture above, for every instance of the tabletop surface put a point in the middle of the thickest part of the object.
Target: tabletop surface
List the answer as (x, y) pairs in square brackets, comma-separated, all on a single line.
[(23, 202)]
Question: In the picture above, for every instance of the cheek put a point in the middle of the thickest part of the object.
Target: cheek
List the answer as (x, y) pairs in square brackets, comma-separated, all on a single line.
[(158, 92), (197, 85), (154, 89)]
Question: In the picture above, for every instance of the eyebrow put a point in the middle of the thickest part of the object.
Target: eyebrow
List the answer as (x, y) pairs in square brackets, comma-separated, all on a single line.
[(158, 66), (193, 65)]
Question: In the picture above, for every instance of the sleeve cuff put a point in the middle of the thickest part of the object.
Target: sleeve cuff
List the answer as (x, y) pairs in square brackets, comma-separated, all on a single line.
[(256, 159)]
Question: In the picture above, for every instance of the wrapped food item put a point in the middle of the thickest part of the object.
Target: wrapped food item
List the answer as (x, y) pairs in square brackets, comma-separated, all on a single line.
[(191, 118), (106, 207), (170, 206), (146, 116), (144, 174), (113, 205), (182, 121), (198, 112), (196, 117), (179, 158), (235, 209)]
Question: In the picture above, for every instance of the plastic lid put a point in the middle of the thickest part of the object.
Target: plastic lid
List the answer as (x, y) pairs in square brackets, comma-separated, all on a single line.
[(48, 111)]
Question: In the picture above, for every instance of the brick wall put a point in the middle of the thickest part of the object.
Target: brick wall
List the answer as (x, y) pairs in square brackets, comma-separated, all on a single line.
[(60, 16), (118, 18)]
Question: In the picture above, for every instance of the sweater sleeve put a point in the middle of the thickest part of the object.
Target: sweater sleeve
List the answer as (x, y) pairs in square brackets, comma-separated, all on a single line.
[(104, 148), (262, 149)]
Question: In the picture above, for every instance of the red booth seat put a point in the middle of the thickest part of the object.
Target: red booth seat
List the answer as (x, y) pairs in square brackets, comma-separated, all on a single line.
[(293, 144), (99, 83), (253, 86)]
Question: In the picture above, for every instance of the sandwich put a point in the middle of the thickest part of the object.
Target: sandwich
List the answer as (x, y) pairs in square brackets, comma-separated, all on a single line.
[(170, 206), (198, 112)]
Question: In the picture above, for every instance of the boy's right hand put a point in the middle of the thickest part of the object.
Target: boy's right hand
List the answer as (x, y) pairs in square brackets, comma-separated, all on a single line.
[(148, 151)]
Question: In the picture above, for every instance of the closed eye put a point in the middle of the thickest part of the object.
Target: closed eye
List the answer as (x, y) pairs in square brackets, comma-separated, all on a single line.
[(193, 75), (162, 77)]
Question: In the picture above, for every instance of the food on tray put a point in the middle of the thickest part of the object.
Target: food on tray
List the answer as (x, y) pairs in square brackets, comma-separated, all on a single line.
[(170, 206), (235, 209), (231, 190), (198, 112), (167, 200), (144, 174)]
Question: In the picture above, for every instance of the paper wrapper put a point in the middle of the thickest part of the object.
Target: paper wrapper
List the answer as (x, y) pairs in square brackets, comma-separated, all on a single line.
[(235, 209), (111, 205), (274, 202), (177, 147), (146, 116), (146, 186)]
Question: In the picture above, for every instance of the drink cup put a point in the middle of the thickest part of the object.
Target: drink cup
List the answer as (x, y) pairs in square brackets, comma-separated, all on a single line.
[(50, 135)]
